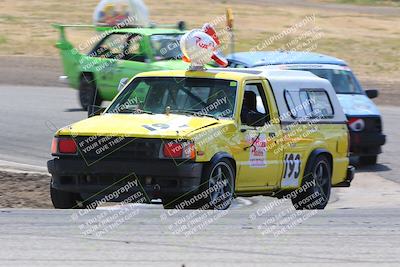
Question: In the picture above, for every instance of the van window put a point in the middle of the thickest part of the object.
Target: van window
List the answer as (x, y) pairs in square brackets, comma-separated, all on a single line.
[(320, 103), (296, 103), (308, 103)]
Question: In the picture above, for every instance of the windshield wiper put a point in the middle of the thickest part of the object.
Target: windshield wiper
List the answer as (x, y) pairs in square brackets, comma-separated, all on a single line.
[(134, 111), (194, 113)]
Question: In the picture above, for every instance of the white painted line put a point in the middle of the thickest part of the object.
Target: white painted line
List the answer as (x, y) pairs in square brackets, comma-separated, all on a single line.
[(10, 166)]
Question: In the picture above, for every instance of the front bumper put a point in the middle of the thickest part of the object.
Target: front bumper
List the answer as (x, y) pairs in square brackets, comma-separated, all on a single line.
[(155, 177), (349, 177), (366, 144)]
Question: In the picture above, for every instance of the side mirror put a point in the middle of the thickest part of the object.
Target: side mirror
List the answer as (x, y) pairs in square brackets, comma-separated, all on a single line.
[(255, 119), (181, 25), (372, 93), (122, 83), (95, 110)]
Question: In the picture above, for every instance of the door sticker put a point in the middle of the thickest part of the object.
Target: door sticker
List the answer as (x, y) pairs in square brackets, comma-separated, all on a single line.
[(292, 167), (258, 151)]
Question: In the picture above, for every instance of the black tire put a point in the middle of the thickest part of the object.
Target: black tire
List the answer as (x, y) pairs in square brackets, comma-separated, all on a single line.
[(88, 94), (316, 186), (68, 200), (368, 160), (174, 202), (220, 175)]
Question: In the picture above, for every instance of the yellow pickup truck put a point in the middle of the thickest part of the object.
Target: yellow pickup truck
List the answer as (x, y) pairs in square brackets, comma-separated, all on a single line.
[(198, 139)]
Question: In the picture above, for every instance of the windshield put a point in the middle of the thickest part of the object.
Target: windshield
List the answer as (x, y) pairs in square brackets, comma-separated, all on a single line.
[(191, 96), (343, 81), (166, 46)]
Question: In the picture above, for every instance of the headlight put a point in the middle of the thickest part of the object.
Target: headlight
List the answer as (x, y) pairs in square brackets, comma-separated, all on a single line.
[(356, 124), (179, 150)]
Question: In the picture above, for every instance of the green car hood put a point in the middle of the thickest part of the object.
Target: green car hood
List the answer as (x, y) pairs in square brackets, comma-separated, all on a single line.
[(171, 64)]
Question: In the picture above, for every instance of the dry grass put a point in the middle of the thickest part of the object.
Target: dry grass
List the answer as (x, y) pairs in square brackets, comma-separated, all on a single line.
[(368, 42), (369, 2)]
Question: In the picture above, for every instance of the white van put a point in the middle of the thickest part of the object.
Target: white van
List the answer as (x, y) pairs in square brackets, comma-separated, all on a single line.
[(364, 118)]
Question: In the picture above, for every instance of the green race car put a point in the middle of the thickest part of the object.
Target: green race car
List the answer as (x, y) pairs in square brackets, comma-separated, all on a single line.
[(116, 54)]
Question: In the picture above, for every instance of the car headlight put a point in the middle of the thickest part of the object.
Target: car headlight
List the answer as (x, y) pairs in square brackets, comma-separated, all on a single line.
[(178, 150), (356, 124)]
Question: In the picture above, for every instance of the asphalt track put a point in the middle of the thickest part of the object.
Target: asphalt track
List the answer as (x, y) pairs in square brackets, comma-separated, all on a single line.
[(360, 226), (363, 237), (31, 115)]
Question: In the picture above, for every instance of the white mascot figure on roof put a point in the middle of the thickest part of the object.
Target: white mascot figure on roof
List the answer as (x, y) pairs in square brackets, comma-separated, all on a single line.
[(199, 46), (126, 13)]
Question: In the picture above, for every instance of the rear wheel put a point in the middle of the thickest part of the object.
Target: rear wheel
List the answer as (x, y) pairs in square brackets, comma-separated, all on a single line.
[(368, 160), (88, 94), (316, 186)]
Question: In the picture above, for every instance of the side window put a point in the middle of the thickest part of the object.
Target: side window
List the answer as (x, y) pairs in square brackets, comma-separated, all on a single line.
[(305, 103), (112, 46), (254, 100), (320, 103), (289, 97), (134, 51), (296, 103), (308, 103)]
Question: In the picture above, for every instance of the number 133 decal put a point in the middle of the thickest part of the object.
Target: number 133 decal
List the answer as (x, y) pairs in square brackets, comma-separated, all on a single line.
[(292, 170)]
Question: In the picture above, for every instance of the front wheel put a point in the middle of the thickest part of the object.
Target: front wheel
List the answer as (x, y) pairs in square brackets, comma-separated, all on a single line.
[(316, 186), (88, 93), (216, 190), (218, 185)]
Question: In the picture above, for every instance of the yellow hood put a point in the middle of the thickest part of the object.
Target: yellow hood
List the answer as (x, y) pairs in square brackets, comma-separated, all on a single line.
[(139, 125)]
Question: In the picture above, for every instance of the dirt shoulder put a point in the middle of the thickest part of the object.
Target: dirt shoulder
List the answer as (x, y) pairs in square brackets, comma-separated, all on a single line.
[(24, 190)]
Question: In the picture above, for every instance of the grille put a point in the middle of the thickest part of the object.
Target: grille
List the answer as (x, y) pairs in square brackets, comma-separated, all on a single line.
[(97, 147), (373, 124)]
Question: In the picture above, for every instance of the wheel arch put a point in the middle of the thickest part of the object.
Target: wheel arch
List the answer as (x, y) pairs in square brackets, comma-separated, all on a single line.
[(314, 154), (221, 155), (224, 155), (87, 75)]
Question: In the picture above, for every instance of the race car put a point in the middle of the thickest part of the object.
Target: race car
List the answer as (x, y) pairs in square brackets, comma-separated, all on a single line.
[(198, 139), (364, 118), (118, 54), (124, 43)]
